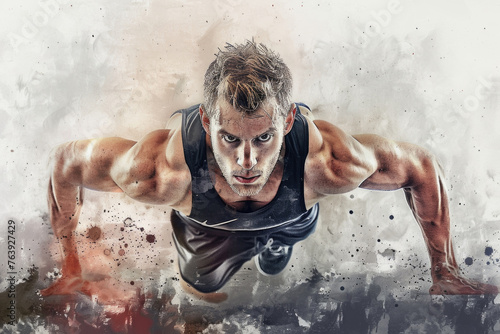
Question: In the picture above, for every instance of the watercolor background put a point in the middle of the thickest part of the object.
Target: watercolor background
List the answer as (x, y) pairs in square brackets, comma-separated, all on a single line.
[(425, 72)]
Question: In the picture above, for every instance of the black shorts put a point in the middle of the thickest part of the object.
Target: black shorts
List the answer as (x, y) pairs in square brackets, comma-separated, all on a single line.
[(209, 257)]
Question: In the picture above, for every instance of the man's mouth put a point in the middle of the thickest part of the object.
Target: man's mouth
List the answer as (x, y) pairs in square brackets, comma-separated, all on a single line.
[(243, 179)]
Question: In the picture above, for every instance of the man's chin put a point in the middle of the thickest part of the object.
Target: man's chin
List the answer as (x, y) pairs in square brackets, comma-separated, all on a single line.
[(246, 190)]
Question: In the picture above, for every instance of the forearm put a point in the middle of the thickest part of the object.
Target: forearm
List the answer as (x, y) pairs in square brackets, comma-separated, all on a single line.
[(428, 200), (65, 191), (64, 201)]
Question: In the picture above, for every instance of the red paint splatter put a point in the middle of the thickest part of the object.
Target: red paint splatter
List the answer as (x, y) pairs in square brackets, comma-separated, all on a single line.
[(150, 238)]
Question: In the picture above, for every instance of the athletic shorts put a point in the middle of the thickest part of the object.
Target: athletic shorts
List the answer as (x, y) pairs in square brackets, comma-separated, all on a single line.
[(209, 257)]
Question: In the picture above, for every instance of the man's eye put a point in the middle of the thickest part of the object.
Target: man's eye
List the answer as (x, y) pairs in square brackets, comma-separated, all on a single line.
[(265, 137), (229, 138)]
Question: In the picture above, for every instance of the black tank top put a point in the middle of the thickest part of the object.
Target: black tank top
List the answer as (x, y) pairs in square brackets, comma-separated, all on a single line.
[(209, 210)]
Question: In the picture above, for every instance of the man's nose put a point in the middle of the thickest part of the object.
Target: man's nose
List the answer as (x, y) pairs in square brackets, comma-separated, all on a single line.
[(246, 156)]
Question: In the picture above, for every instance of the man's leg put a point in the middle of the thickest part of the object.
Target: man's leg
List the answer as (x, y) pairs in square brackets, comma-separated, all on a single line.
[(276, 254), (274, 258), (207, 259)]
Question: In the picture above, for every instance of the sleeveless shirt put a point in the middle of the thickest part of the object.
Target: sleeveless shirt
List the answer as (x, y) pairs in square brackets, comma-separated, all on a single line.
[(209, 210)]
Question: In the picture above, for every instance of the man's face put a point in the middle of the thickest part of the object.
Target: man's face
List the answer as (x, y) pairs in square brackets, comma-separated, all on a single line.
[(246, 147)]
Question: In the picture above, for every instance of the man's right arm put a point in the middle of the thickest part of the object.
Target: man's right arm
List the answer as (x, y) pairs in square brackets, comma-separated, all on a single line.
[(75, 166), (152, 170)]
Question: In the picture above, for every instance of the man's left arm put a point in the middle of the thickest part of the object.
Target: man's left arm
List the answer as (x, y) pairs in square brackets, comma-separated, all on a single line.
[(374, 162), (407, 166)]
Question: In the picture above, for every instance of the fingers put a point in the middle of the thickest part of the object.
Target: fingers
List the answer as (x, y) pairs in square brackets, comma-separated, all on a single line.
[(462, 287), (63, 286)]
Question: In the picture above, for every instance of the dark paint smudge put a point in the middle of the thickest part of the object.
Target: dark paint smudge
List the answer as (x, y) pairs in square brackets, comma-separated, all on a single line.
[(488, 251), (94, 233)]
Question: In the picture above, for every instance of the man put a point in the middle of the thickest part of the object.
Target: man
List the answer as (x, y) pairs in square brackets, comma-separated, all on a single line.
[(243, 173)]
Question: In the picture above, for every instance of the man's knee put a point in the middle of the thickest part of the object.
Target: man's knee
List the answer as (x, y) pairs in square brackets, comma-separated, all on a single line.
[(211, 297)]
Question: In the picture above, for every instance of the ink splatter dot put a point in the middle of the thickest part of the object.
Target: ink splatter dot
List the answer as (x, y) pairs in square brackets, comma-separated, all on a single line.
[(150, 238), (469, 261), (121, 252), (351, 212), (342, 288), (391, 217), (488, 251), (132, 282), (94, 233)]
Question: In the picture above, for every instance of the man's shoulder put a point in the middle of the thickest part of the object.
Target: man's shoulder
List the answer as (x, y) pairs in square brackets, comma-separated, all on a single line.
[(324, 135), (159, 147)]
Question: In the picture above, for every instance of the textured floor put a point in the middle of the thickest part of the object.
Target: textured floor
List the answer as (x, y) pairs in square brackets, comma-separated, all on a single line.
[(314, 306)]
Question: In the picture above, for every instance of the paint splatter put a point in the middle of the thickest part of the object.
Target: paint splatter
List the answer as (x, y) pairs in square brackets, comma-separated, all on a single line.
[(488, 251), (150, 238), (94, 233)]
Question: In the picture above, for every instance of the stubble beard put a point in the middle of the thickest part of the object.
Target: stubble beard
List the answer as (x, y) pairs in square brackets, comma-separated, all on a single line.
[(250, 189)]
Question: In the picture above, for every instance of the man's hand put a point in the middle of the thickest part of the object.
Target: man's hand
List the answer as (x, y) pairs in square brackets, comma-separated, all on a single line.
[(462, 286), (449, 281), (106, 290), (64, 285)]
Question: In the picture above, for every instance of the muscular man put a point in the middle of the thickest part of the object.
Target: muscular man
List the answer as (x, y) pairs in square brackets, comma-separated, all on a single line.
[(243, 173)]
